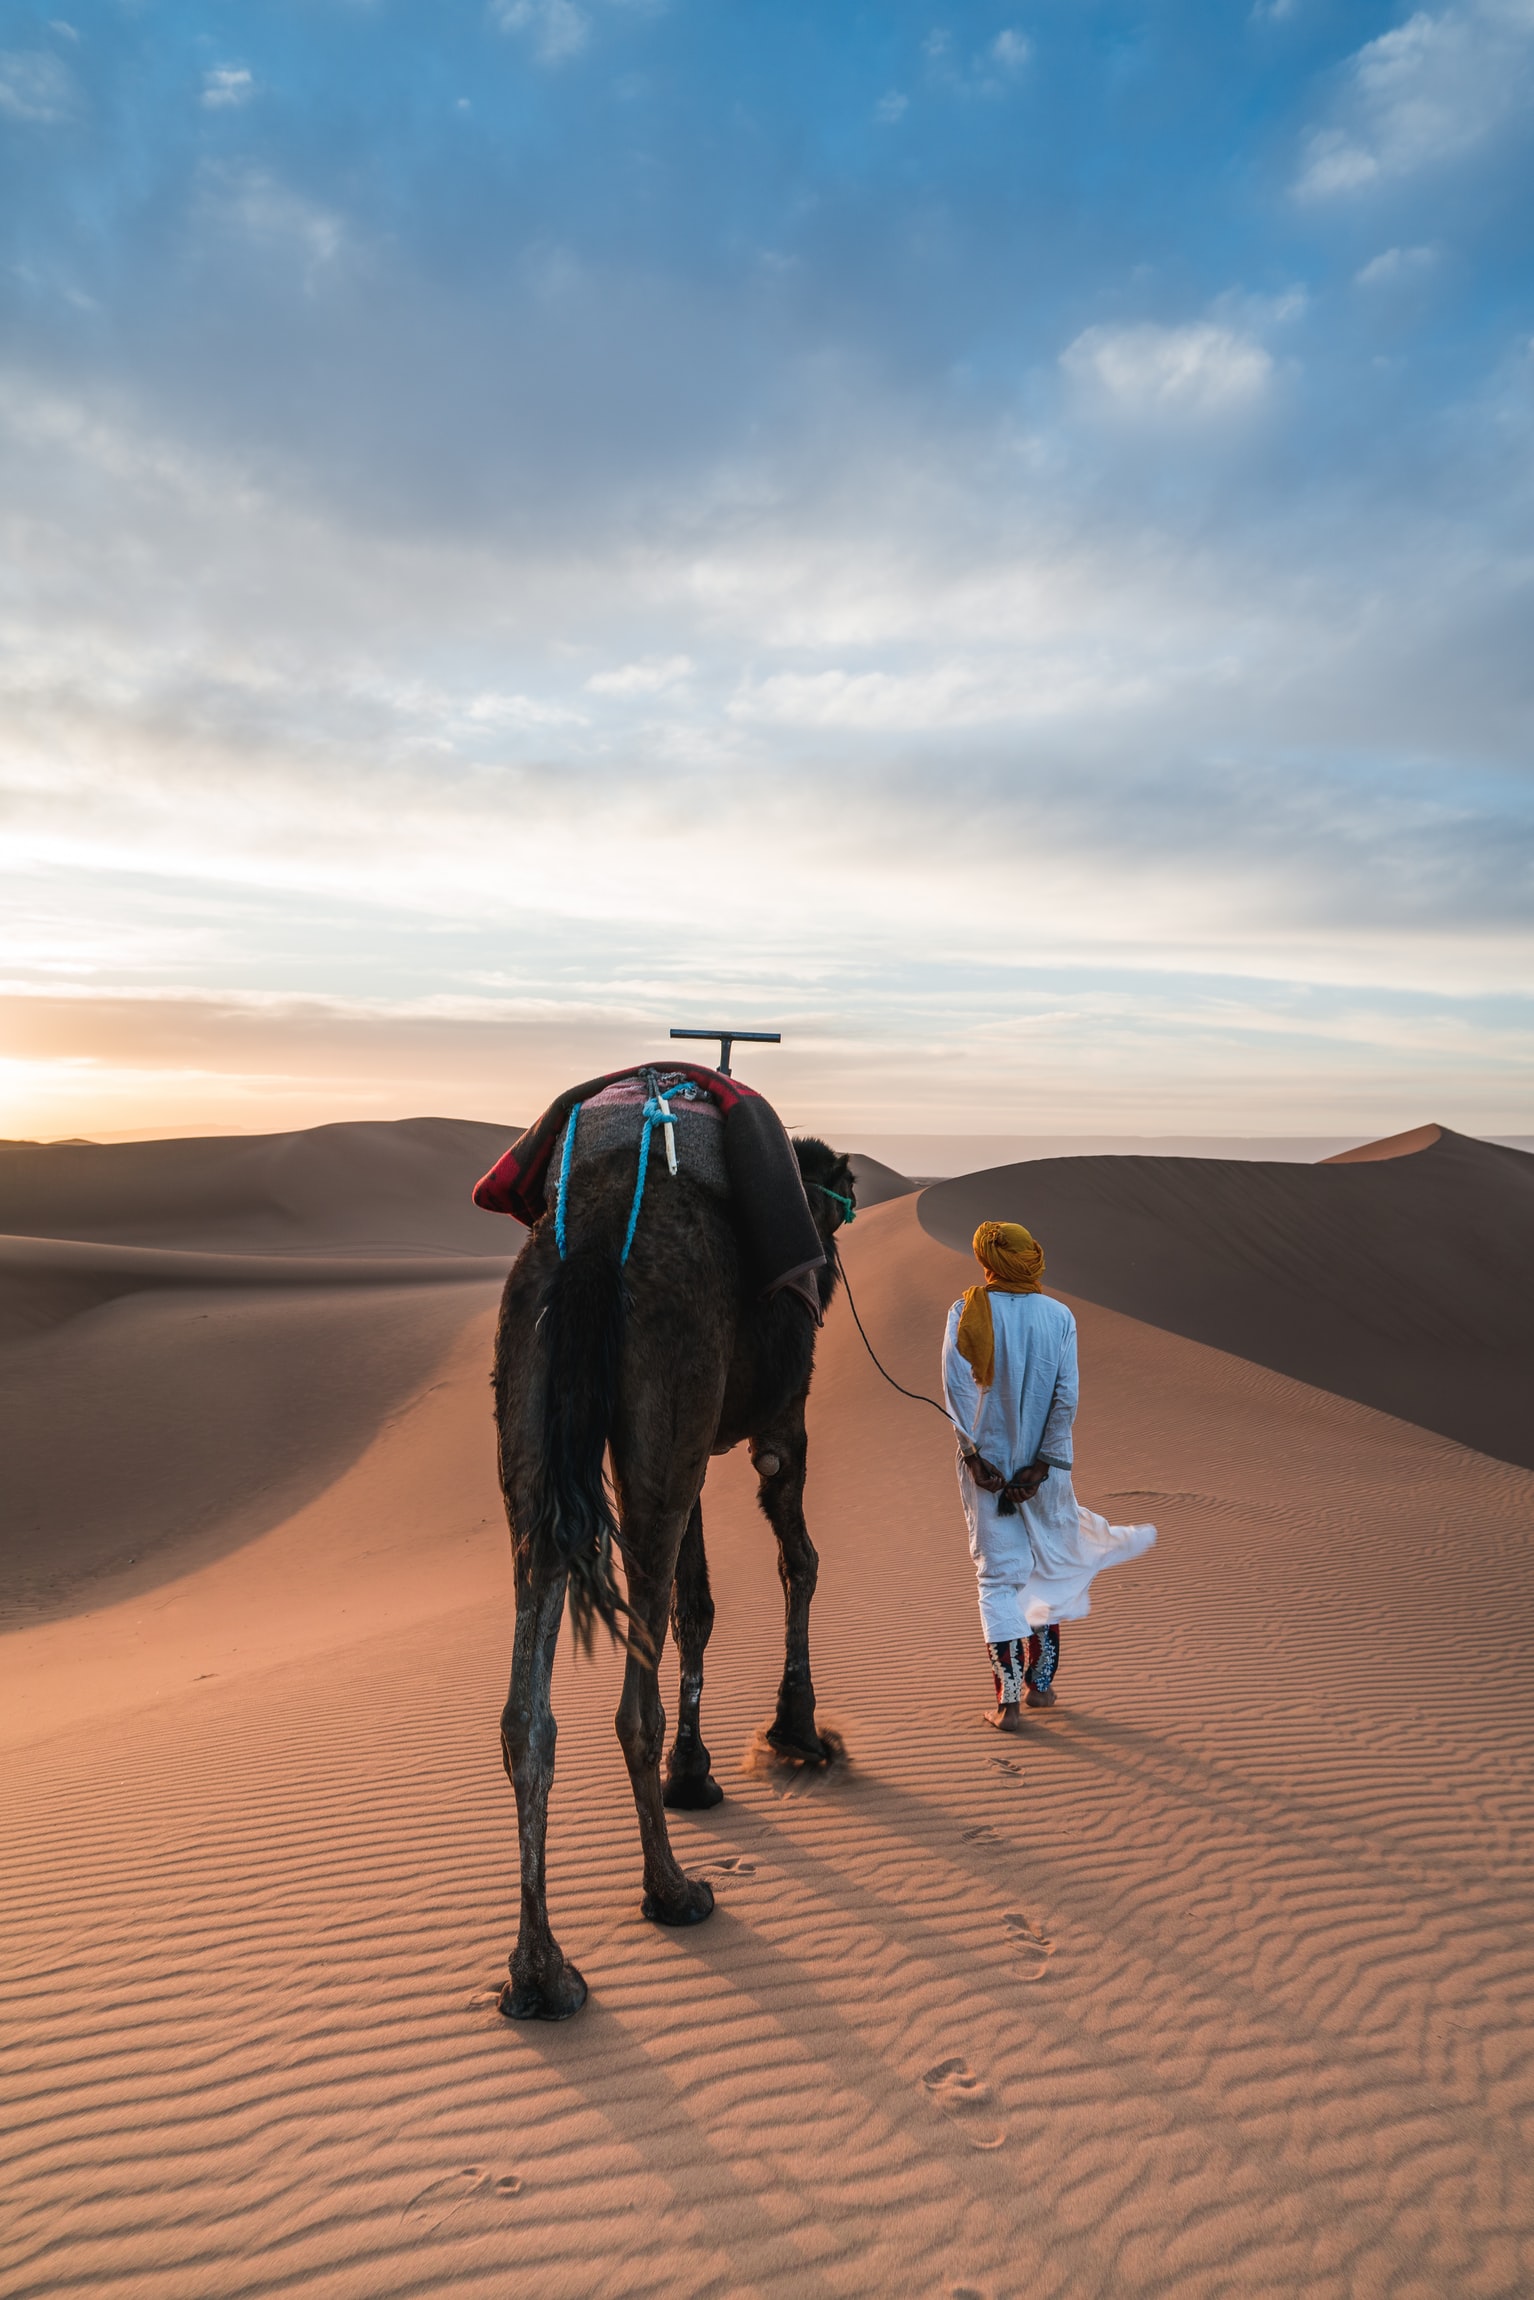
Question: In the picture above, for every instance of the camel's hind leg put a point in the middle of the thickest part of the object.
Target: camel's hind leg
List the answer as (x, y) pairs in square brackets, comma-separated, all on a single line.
[(544, 1985), (779, 1455), (690, 1786), (650, 1550)]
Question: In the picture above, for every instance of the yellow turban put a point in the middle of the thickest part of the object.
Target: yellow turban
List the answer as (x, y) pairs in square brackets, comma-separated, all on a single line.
[(1013, 1262)]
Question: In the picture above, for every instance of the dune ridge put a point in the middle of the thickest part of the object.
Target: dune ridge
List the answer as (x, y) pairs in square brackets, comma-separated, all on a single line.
[(1389, 1146), (359, 1184), (46, 1280), (1220, 1980)]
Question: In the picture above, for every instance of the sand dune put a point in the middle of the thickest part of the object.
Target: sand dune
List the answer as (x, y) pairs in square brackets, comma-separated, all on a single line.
[(160, 1402), (401, 1186), (1389, 1146), (877, 1183), (1402, 1280), (950, 1154), (383, 1515), (43, 1281), (1220, 1982), (161, 1428)]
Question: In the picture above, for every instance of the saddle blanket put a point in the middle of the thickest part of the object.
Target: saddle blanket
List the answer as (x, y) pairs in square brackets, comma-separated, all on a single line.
[(614, 1120), (759, 1169)]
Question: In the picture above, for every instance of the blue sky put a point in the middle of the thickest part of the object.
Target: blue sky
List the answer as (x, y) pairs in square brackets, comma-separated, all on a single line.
[(996, 540)]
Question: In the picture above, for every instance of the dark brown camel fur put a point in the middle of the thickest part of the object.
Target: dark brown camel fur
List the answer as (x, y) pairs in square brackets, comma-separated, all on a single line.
[(658, 1366)]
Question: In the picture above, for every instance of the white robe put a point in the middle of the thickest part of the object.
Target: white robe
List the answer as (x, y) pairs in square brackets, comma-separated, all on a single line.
[(1038, 1566)]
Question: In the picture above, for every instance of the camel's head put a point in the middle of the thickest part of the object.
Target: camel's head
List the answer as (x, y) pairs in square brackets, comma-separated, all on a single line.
[(828, 1183)]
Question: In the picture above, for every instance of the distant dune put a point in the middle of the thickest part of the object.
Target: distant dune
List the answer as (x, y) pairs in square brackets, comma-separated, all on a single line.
[(948, 1154), (400, 1187), (1389, 1146), (1401, 1275), (877, 1183)]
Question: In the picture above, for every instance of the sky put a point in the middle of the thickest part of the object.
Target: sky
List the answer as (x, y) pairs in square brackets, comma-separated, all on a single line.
[(994, 540)]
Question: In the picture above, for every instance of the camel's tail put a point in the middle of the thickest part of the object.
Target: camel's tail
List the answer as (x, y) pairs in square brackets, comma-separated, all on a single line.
[(580, 1333)]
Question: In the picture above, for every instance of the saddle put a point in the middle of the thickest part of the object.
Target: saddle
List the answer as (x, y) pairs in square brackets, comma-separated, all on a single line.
[(614, 1120), (729, 1139)]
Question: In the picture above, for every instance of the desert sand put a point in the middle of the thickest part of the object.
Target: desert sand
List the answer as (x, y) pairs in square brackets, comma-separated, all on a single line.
[(1218, 1981)]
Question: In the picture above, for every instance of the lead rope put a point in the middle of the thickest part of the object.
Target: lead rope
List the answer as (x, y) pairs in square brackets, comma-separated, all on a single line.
[(1004, 1507), (916, 1396)]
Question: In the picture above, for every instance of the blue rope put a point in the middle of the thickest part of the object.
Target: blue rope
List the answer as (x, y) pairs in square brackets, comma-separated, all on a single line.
[(564, 1179), (847, 1205), (653, 1117)]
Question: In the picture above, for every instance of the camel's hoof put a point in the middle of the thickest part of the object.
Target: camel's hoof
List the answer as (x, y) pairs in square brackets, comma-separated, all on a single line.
[(696, 1904), (813, 1751), (559, 1999), (691, 1792)]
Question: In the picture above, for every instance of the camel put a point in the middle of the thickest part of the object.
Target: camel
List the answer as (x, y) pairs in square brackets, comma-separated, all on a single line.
[(657, 1365)]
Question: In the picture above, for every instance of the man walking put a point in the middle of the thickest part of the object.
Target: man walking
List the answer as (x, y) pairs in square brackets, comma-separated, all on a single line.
[(1010, 1379)]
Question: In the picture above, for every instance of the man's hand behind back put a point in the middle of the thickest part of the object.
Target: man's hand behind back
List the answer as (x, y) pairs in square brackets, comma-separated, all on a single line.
[(1025, 1484)]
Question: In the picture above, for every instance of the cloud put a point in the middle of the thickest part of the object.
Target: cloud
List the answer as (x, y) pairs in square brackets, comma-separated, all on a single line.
[(37, 86), (219, 649), (651, 677), (277, 220), (987, 71), (1335, 162), (1423, 95), (1144, 370), (492, 710), (227, 86), (557, 28), (892, 108), (868, 701), (1394, 265)]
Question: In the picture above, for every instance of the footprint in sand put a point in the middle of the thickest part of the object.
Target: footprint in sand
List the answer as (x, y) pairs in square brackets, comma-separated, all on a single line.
[(469, 2185), (953, 2086), (1006, 1765), (1029, 1941), (985, 1835), (736, 1866)]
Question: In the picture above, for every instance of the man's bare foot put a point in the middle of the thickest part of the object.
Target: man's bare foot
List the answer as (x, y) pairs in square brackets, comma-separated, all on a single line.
[(1004, 1718), (1044, 1700)]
